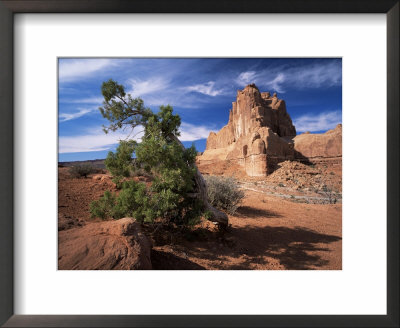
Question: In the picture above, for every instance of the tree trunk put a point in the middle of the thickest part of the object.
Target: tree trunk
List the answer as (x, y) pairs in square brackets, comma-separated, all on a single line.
[(216, 215)]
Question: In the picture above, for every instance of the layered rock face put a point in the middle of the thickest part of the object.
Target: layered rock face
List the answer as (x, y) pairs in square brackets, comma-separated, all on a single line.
[(325, 147), (256, 135)]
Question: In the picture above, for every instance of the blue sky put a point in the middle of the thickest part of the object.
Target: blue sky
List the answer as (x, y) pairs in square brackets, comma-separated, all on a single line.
[(201, 91)]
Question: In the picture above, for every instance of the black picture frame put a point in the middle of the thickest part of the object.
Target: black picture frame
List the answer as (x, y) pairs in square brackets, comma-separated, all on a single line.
[(7, 10)]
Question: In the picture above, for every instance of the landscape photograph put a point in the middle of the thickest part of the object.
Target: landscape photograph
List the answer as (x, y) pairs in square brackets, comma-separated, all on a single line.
[(199, 164)]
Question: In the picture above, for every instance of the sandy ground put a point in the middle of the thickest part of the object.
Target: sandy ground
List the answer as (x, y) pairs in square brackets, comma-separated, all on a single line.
[(269, 232)]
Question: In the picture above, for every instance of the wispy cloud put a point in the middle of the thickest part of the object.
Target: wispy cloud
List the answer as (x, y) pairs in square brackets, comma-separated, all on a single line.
[(88, 100), (157, 91), (276, 83), (270, 80), (191, 132), (321, 122), (149, 86), (71, 69), (316, 75), (279, 78), (245, 78), (71, 116), (95, 140), (205, 88)]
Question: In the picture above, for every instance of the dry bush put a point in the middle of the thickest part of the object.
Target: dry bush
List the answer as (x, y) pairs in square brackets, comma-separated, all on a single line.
[(82, 170), (224, 193)]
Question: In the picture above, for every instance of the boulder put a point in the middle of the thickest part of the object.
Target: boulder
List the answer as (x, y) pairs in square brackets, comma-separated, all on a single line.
[(110, 245)]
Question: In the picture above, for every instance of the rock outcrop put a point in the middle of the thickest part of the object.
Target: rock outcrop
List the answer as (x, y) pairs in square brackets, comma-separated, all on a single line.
[(110, 245), (257, 135), (260, 134), (323, 147)]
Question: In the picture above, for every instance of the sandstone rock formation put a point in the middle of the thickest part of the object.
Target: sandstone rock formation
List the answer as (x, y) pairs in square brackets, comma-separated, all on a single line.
[(325, 147), (260, 134), (257, 135), (118, 245)]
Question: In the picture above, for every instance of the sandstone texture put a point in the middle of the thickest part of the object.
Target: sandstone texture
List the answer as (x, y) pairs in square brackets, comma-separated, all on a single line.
[(319, 147), (110, 245), (260, 134), (256, 136)]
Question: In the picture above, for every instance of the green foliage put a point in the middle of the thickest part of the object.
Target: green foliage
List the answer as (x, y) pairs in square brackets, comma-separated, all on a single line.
[(104, 207), (119, 164), (170, 196), (82, 170), (224, 193), (120, 109), (134, 201)]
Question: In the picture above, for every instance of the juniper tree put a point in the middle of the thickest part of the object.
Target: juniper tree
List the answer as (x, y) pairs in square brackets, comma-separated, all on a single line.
[(178, 192), (120, 163)]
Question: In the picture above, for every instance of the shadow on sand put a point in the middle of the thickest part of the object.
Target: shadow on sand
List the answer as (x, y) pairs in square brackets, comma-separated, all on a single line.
[(294, 248), (250, 212), (167, 261)]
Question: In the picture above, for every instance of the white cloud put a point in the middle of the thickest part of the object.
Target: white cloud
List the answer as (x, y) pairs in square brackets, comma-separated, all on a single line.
[(245, 78), (143, 87), (275, 83), (158, 91), (322, 122), (95, 140), (191, 132), (206, 88), (89, 100), (265, 79), (315, 75), (71, 116), (72, 69)]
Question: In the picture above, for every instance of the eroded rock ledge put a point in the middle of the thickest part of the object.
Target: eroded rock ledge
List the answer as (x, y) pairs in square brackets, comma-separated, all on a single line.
[(110, 245)]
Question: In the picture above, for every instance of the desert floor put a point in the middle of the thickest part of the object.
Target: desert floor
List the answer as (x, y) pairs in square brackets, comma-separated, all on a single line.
[(277, 227)]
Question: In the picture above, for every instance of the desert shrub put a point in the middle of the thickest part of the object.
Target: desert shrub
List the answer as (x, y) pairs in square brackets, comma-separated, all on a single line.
[(130, 202), (140, 172), (82, 170), (329, 194), (119, 164), (104, 207), (134, 201), (224, 193)]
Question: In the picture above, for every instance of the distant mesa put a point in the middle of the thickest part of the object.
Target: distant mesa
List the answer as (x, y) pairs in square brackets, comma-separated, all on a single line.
[(260, 134)]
